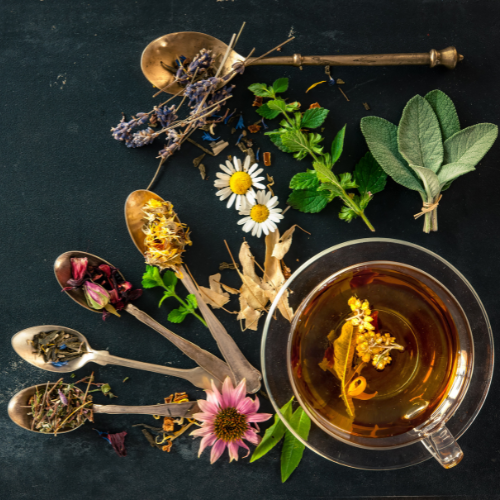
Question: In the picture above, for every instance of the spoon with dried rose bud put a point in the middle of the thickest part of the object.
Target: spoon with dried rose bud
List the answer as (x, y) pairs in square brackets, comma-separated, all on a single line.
[(64, 350), (57, 408), (98, 286), (161, 238)]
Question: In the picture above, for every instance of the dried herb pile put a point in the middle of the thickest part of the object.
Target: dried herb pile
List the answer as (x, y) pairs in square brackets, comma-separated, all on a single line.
[(58, 347)]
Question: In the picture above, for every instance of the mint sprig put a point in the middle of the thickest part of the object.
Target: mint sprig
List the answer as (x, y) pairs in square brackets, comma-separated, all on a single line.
[(152, 279), (314, 189)]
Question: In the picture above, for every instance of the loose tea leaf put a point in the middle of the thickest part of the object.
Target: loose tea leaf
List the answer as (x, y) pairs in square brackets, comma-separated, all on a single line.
[(58, 347)]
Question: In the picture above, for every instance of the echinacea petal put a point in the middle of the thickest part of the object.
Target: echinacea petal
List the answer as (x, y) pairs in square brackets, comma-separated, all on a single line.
[(258, 417), (233, 447), (208, 406), (202, 431), (245, 406), (216, 395), (206, 441), (217, 450), (243, 445), (227, 393), (251, 436), (239, 393)]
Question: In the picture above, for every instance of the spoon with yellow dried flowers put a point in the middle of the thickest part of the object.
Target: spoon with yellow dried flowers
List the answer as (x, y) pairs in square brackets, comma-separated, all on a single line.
[(76, 273), (64, 350), (161, 238)]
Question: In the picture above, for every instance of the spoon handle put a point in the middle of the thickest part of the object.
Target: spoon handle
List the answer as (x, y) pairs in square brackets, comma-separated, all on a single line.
[(240, 366), (212, 364), (197, 376), (165, 410)]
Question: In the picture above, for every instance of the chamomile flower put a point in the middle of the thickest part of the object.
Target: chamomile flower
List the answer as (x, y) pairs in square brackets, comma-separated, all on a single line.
[(262, 215), (238, 182)]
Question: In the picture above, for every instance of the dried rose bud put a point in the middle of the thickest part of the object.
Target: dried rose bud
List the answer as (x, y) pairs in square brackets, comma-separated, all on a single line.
[(78, 272), (97, 297), (105, 269)]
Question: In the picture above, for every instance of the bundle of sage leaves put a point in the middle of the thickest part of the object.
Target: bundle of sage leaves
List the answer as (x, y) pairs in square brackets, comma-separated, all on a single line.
[(428, 151)]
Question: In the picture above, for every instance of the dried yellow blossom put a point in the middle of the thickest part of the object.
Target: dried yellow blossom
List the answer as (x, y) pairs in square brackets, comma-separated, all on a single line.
[(166, 237)]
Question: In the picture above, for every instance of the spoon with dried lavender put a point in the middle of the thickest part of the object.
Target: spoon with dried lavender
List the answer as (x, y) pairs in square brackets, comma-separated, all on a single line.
[(159, 59), (145, 210), (98, 286), (64, 350), (57, 408)]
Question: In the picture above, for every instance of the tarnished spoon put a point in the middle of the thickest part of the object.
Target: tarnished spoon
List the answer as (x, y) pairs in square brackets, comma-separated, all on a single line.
[(167, 48), (197, 376), (210, 363), (237, 362), (18, 409)]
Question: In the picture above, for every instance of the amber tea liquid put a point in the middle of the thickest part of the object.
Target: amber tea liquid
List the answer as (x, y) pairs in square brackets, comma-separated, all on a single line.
[(417, 380)]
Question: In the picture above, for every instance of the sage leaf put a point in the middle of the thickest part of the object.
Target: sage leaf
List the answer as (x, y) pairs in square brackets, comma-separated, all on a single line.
[(369, 175), (338, 145), (451, 171), (419, 136), (280, 85), (469, 146), (293, 449), (445, 111), (304, 180), (313, 118), (266, 112), (309, 201), (381, 137), (430, 180), (274, 433)]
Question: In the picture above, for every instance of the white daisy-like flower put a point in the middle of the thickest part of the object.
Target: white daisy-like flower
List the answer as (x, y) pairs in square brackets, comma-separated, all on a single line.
[(262, 215), (238, 182)]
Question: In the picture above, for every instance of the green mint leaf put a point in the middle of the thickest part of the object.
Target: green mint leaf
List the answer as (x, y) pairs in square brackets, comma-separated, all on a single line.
[(314, 140), (169, 279), (280, 85), (469, 146), (449, 172), (274, 433), (260, 89), (295, 141), (266, 112), (151, 278), (293, 449), (178, 315), (276, 138), (191, 300), (309, 200), (430, 180), (277, 104), (419, 136), (369, 176), (333, 189), (338, 145), (347, 214), (346, 181), (304, 180), (293, 106), (445, 111), (324, 173), (381, 137), (314, 118)]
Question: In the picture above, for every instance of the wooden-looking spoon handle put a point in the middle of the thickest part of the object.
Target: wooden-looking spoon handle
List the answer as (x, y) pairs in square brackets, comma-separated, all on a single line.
[(240, 366), (165, 410), (212, 364)]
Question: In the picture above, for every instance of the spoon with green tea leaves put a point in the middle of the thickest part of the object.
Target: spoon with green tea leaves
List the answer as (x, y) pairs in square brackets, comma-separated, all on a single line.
[(64, 350), (161, 238), (58, 408), (73, 268)]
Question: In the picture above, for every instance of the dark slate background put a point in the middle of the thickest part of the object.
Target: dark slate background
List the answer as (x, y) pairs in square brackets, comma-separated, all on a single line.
[(67, 71)]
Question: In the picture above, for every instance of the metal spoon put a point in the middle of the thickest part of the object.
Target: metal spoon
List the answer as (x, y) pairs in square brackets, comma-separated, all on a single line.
[(212, 364), (239, 365), (18, 409), (197, 376), (167, 48)]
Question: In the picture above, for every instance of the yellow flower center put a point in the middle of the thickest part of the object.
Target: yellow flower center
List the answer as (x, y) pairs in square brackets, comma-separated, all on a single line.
[(240, 182), (259, 213)]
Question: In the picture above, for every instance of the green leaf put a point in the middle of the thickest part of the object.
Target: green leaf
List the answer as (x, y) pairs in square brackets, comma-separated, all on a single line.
[(381, 137), (276, 139), (274, 433), (267, 112), (469, 146), (293, 449), (346, 213), (191, 300), (280, 85), (260, 89), (346, 181), (343, 351), (277, 104), (178, 315), (166, 295), (445, 111), (369, 175), (151, 278), (430, 180), (304, 180), (338, 145), (314, 140), (169, 279), (450, 172), (309, 200), (324, 173), (314, 118), (419, 136), (295, 141)]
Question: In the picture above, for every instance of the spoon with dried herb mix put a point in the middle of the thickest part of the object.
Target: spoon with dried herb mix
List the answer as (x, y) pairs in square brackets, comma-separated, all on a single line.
[(24, 344), (150, 219), (63, 269)]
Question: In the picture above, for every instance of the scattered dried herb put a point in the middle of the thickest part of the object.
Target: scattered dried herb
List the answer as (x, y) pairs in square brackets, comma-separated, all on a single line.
[(116, 440), (57, 347), (226, 265), (267, 159)]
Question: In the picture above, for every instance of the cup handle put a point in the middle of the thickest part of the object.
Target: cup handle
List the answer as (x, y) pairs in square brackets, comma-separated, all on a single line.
[(442, 446)]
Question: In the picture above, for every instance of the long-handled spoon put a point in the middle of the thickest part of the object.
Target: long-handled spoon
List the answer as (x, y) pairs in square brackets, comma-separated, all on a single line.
[(18, 409), (239, 365), (197, 376), (210, 363), (164, 51)]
